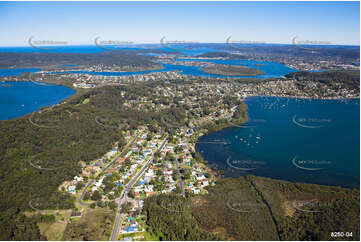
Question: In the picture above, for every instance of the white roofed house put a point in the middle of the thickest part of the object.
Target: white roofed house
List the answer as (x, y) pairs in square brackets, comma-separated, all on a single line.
[(149, 188), (110, 154), (78, 179), (133, 167), (201, 177), (138, 189), (205, 183), (167, 172), (195, 191), (97, 184), (150, 173), (94, 188)]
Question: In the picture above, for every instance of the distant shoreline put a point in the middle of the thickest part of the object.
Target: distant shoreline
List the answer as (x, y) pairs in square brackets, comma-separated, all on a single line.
[(47, 106)]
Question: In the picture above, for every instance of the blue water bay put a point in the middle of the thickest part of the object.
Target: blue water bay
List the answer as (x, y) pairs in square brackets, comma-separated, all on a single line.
[(303, 140), (17, 71), (20, 98)]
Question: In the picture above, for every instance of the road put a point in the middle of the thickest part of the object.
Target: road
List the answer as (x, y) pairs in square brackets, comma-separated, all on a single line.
[(180, 178), (124, 195), (105, 169)]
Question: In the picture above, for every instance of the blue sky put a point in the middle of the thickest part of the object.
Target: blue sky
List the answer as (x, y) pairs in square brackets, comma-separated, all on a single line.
[(82, 22)]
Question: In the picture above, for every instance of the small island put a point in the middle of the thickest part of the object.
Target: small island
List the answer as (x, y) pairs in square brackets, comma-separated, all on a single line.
[(232, 70)]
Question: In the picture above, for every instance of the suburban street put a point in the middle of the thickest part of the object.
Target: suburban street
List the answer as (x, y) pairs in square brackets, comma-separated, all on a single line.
[(180, 178), (124, 195), (105, 169)]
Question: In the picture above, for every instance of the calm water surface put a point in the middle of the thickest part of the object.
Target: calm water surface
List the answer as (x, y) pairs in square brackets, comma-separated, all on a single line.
[(313, 141), (20, 98)]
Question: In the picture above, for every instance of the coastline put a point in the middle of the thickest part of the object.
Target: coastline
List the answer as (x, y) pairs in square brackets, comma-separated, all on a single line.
[(219, 172), (43, 81)]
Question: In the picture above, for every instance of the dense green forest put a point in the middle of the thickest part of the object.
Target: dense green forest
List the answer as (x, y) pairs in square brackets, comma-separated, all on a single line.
[(169, 218), (41, 150), (256, 208)]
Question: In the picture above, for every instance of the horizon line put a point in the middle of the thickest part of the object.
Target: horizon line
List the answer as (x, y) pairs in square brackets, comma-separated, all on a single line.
[(193, 43)]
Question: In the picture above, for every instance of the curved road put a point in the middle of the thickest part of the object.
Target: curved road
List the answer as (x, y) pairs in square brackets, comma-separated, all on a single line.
[(124, 195), (105, 169)]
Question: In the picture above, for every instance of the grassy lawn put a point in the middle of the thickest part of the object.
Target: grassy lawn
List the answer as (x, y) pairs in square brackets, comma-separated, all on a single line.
[(133, 235), (150, 237), (95, 224), (53, 231), (76, 203)]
